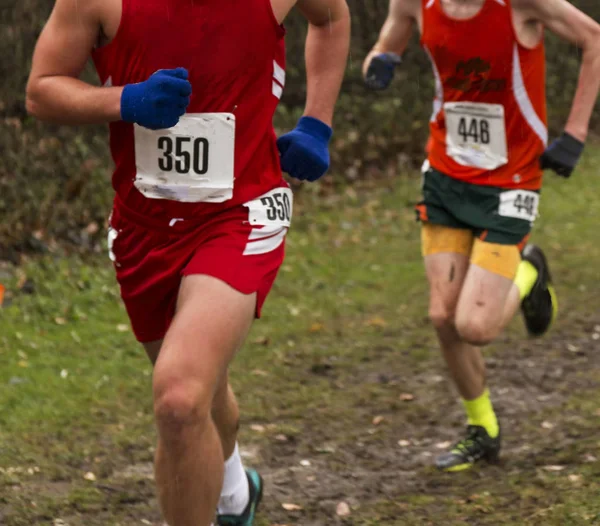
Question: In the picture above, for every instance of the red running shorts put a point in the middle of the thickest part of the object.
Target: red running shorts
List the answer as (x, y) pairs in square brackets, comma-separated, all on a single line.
[(151, 257)]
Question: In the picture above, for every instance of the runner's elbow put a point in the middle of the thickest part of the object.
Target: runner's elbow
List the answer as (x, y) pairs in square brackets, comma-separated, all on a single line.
[(32, 104), (32, 107), (35, 105), (591, 44)]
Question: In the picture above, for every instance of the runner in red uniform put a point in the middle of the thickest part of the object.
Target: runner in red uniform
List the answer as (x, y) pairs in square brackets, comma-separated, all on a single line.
[(481, 181), (201, 211)]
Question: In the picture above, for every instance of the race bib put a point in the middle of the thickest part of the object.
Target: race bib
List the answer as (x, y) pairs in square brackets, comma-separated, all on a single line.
[(274, 208), (476, 134), (520, 204), (191, 162)]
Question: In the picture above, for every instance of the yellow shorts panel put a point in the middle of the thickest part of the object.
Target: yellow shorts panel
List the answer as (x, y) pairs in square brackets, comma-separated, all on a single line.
[(502, 260), (437, 239)]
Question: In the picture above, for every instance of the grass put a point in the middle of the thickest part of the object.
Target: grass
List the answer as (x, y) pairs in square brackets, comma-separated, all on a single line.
[(344, 340)]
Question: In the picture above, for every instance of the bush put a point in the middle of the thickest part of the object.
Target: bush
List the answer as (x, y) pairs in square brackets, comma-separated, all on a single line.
[(54, 181)]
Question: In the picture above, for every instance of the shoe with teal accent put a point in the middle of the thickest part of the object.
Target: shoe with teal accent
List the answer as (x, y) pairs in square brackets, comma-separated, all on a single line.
[(478, 445), (255, 484)]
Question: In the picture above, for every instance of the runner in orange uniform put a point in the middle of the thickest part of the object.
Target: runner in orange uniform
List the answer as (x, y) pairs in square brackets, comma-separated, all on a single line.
[(481, 182)]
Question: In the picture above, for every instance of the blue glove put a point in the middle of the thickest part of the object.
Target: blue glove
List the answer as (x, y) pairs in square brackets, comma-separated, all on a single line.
[(158, 102), (381, 71), (562, 155), (304, 151)]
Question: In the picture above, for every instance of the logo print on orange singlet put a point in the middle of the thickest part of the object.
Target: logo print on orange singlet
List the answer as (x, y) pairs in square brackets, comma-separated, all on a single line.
[(473, 75)]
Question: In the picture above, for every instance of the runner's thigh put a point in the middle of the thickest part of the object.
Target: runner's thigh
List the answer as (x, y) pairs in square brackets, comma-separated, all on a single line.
[(210, 324)]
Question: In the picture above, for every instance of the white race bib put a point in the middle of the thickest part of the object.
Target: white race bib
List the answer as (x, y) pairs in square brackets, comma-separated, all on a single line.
[(274, 208), (476, 134), (520, 204), (191, 162)]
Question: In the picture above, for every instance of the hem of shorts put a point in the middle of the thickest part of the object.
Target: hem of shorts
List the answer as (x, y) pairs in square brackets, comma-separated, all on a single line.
[(246, 291), (144, 339)]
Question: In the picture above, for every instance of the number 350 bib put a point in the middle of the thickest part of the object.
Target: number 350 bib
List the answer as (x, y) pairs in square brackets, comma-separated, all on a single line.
[(476, 134), (191, 162)]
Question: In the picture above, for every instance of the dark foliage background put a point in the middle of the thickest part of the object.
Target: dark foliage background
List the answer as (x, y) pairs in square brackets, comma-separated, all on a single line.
[(54, 181)]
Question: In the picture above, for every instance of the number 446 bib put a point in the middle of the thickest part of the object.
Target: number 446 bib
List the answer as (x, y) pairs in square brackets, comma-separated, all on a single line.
[(476, 134), (192, 162)]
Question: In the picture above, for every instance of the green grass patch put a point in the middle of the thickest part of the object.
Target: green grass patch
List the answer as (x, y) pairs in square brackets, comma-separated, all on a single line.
[(344, 335)]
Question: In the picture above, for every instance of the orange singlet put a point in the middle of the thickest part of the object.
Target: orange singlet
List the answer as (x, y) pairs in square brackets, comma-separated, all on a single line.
[(489, 122)]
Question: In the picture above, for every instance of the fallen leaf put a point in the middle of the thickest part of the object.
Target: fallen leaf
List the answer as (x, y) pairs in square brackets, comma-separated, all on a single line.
[(554, 468), (407, 397), (376, 322), (377, 420), (90, 476), (547, 425), (316, 327), (92, 228), (342, 509), (291, 507)]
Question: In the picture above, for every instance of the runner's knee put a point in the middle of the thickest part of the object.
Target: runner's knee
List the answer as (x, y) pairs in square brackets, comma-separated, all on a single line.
[(441, 315), (476, 329), (180, 402)]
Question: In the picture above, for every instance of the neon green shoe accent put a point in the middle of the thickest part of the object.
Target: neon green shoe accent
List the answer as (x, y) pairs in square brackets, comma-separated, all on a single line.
[(526, 277), (459, 467), (554, 297), (475, 447)]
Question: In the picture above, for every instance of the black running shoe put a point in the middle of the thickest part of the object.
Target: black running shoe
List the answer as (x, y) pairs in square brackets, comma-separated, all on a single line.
[(478, 445), (540, 306), (255, 483)]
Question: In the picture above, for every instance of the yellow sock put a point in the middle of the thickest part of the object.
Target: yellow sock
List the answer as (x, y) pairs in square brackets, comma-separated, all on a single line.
[(525, 278), (481, 413)]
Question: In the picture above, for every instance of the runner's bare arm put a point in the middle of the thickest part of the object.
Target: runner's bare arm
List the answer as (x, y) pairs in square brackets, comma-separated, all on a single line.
[(569, 23), (327, 47), (54, 91), (396, 31)]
